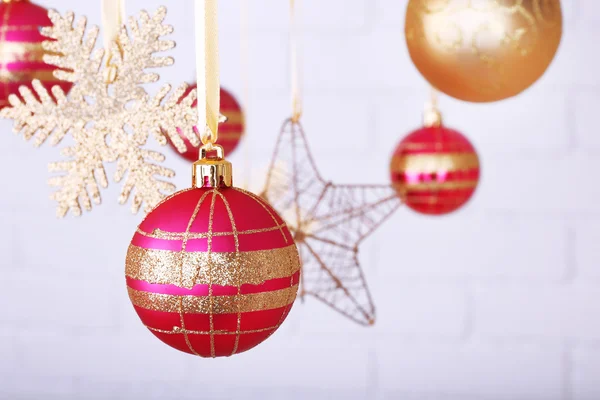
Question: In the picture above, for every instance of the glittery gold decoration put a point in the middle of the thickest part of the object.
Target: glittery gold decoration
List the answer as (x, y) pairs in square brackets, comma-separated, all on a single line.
[(429, 163), (25, 74), (329, 222), (108, 113), (179, 272), (484, 50), (240, 303), (178, 331), (158, 234), (249, 267), (21, 52)]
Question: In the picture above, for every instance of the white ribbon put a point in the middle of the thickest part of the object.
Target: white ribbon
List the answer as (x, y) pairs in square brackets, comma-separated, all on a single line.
[(113, 12), (295, 60)]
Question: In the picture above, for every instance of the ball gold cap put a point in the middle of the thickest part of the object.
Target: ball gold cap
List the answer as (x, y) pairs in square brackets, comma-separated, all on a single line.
[(432, 118), (212, 171)]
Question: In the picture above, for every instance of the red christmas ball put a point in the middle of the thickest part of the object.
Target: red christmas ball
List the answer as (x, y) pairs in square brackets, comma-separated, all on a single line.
[(435, 170), (21, 52), (213, 271), (230, 132)]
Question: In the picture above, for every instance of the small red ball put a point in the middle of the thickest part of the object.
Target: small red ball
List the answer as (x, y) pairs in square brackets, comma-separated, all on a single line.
[(213, 271), (21, 52), (230, 132), (435, 170)]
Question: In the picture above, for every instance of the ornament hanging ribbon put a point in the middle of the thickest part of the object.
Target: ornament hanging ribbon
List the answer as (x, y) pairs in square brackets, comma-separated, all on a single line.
[(207, 69), (432, 115), (295, 62), (244, 64), (113, 14)]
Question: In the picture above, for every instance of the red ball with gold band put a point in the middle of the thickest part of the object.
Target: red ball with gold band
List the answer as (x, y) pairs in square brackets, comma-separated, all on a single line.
[(230, 131), (21, 52), (213, 270), (435, 170)]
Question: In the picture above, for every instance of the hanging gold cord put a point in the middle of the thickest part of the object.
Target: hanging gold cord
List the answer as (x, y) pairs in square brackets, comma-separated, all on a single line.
[(434, 98), (113, 13), (432, 117), (207, 69), (244, 72), (295, 62)]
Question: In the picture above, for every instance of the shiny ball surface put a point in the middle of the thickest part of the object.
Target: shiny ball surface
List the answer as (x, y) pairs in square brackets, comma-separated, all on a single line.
[(435, 170), (230, 132), (21, 52), (484, 50), (213, 272)]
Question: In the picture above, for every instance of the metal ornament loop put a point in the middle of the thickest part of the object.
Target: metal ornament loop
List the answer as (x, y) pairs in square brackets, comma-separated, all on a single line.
[(432, 118), (212, 171), (212, 147)]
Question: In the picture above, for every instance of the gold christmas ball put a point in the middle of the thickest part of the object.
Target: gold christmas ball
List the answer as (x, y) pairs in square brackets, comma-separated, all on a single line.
[(483, 50)]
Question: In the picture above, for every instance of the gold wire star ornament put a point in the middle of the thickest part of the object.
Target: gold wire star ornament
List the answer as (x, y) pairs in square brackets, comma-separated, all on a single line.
[(107, 113), (329, 222)]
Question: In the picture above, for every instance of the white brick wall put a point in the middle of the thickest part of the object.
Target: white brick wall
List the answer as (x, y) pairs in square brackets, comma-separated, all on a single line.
[(497, 302)]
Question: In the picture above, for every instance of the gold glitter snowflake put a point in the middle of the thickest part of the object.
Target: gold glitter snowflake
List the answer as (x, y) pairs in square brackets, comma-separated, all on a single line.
[(107, 113)]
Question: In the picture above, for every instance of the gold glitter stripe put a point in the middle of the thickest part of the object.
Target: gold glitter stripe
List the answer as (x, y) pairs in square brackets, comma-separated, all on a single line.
[(230, 136), (5, 80), (453, 185), (436, 200), (256, 267), (7, 76), (22, 51), (431, 146), (234, 117), (213, 304), (159, 234), (291, 299), (430, 163), (178, 331), (19, 28)]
